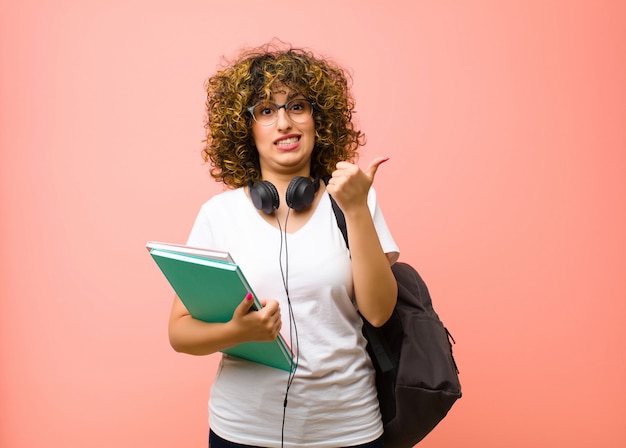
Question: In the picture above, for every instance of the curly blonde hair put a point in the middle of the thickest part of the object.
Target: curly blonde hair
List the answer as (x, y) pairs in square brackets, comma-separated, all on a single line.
[(231, 91)]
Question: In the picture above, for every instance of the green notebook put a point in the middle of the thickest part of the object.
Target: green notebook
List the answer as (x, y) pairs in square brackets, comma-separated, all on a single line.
[(211, 285)]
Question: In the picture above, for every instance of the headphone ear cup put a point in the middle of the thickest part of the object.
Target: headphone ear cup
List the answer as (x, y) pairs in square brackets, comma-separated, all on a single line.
[(300, 193), (264, 196)]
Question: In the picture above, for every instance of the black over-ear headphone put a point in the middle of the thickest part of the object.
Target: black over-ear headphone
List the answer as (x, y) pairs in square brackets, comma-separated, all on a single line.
[(299, 195)]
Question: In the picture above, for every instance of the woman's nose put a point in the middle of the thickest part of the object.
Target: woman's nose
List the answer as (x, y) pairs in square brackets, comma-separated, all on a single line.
[(283, 121)]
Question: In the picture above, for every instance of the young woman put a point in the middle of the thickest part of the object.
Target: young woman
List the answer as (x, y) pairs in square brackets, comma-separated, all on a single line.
[(280, 136)]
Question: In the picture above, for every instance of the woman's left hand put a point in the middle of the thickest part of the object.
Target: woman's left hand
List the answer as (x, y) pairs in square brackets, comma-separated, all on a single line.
[(349, 184)]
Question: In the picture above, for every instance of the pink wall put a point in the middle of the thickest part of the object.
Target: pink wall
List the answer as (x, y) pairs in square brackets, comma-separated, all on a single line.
[(506, 127)]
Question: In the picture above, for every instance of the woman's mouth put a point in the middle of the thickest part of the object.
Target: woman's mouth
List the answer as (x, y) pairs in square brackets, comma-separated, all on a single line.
[(287, 143)]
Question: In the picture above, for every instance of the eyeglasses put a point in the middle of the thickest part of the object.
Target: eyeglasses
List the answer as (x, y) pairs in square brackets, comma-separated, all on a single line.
[(266, 113)]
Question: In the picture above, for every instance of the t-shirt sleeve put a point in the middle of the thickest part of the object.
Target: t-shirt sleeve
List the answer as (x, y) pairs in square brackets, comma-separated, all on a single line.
[(201, 234)]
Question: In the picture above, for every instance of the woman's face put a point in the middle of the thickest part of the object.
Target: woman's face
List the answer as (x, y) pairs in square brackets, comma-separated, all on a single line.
[(285, 147)]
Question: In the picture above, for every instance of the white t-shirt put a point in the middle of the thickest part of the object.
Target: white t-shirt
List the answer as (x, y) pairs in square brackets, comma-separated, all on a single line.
[(332, 400)]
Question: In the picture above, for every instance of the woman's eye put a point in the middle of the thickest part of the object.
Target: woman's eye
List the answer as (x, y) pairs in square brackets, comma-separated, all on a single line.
[(266, 111), (297, 106)]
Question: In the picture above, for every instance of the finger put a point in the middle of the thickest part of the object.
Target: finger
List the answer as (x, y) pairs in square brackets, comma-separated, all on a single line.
[(246, 304), (344, 169), (342, 165), (270, 306), (276, 328), (371, 170)]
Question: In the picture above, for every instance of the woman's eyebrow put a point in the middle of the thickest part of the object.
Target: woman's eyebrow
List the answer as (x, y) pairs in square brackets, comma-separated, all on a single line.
[(290, 96), (295, 94)]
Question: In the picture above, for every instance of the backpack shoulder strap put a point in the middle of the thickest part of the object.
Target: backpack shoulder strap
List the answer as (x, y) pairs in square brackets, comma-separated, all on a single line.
[(341, 220)]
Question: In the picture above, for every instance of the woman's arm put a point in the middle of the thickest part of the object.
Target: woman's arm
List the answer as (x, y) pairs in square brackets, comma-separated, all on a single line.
[(196, 337), (375, 286)]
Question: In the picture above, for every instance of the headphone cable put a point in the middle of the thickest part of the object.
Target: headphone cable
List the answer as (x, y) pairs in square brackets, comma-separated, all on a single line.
[(293, 329)]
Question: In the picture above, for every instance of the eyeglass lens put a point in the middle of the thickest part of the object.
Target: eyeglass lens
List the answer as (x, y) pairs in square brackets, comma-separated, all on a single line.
[(298, 110)]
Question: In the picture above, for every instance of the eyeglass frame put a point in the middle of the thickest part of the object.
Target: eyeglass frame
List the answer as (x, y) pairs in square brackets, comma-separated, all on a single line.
[(279, 107)]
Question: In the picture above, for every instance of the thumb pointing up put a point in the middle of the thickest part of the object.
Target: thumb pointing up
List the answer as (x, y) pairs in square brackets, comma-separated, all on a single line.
[(371, 170)]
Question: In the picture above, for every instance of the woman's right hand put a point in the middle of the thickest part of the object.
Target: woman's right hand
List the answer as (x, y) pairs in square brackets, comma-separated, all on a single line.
[(196, 337), (261, 325)]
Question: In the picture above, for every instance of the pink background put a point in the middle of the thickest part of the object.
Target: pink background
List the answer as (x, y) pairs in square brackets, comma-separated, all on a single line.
[(505, 122)]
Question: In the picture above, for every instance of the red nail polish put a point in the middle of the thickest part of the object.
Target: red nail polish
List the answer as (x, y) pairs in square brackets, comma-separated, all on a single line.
[(249, 296)]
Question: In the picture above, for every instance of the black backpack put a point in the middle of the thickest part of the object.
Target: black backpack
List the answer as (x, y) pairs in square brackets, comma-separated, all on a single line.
[(416, 375)]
